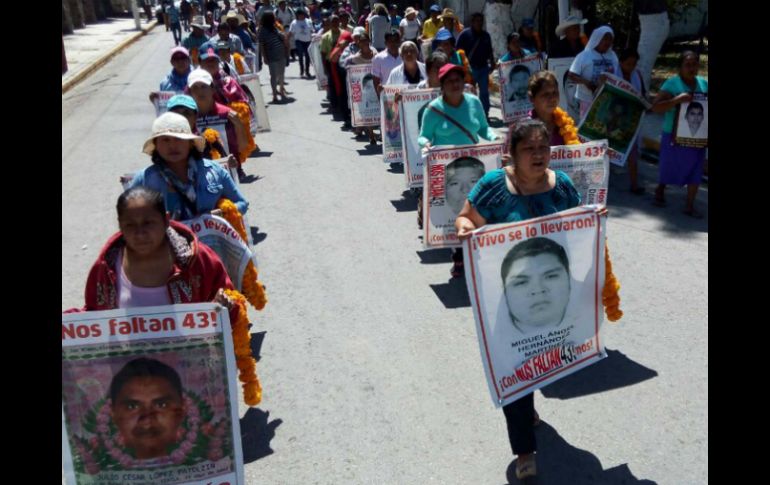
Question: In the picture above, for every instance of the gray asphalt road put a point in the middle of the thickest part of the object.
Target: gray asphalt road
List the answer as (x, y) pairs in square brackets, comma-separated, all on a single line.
[(369, 359)]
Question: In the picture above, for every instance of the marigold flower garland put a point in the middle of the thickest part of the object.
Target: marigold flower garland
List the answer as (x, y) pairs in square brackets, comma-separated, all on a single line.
[(239, 63), (252, 288), (244, 114), (566, 126), (610, 297), (212, 137), (194, 56), (247, 366)]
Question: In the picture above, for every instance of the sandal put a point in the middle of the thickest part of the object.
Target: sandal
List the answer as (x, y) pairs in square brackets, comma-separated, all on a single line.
[(526, 468)]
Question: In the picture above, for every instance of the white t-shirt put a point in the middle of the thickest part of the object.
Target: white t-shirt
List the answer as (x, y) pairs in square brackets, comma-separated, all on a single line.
[(397, 76), (411, 28), (379, 25), (285, 16), (302, 30), (590, 65), (383, 63)]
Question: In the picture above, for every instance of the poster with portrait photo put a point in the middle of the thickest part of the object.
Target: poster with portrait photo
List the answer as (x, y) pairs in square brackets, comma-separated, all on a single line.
[(692, 122), (316, 58), (567, 87), (513, 77), (588, 166), (390, 124), (161, 101), (535, 288), (253, 88), (411, 108), (450, 174), (149, 396), (362, 96), (615, 115)]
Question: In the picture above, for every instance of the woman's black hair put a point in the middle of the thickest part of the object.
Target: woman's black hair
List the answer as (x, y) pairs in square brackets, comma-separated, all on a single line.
[(152, 197), (157, 159), (628, 53), (268, 20), (524, 129), (144, 367), (685, 55), (530, 248)]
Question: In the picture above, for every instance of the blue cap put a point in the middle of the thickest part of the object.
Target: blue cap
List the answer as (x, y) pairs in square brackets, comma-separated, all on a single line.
[(528, 22), (435, 8), (443, 34), (182, 100)]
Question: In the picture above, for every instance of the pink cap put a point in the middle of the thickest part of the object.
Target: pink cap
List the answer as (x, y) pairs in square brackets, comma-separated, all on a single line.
[(178, 50)]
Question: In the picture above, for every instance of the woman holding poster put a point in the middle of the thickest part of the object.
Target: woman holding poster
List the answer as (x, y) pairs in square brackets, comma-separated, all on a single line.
[(680, 165), (455, 118), (523, 190), (588, 67)]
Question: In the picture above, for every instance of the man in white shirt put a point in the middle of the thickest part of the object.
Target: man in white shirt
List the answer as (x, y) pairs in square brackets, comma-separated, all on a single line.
[(387, 60), (301, 31)]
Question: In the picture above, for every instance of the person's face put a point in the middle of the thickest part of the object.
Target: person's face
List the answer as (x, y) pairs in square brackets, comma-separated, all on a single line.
[(197, 32), (604, 44), (173, 150), (514, 47), (211, 65), (537, 290), (572, 32), (689, 68), (477, 24), (628, 65), (409, 56), (433, 80), (519, 83), (181, 63), (392, 43), (335, 24), (411, 17), (203, 94), (459, 185), (143, 227), (532, 155), (447, 46), (453, 84), (148, 413), (191, 115), (224, 32), (547, 99), (695, 118), (364, 44)]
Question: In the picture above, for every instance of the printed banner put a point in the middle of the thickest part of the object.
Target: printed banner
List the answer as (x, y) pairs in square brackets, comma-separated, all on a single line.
[(451, 173), (363, 99), (615, 115), (149, 397), (161, 101), (251, 84), (567, 87), (390, 124), (535, 287), (316, 58), (219, 235), (588, 166), (215, 123), (692, 122), (513, 77), (411, 108)]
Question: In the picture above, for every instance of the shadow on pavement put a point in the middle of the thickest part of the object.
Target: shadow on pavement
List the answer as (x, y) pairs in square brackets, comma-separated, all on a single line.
[(613, 372), (256, 344), (370, 150), (407, 203), (435, 256), (257, 236), (249, 179), (396, 168), (261, 154), (559, 463), (256, 434), (453, 294)]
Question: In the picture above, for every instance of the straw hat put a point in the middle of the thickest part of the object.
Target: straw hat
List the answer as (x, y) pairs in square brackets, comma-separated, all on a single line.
[(569, 22), (174, 125)]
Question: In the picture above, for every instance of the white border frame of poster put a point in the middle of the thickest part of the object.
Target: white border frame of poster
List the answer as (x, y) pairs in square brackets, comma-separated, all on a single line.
[(405, 143), (529, 61), (357, 120)]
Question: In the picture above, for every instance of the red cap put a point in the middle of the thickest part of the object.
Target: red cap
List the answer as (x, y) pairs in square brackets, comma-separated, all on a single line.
[(447, 68)]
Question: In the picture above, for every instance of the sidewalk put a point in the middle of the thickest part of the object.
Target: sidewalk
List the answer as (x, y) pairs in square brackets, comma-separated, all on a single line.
[(89, 48)]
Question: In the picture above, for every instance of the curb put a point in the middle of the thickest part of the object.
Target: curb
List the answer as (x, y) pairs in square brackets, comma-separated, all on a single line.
[(77, 78)]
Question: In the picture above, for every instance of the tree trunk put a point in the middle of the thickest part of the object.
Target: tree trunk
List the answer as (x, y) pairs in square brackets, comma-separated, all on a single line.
[(76, 12), (101, 14), (66, 18), (89, 13)]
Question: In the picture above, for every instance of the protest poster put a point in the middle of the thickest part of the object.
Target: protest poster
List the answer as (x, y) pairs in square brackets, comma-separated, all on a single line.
[(253, 87), (220, 236), (535, 288), (149, 397), (411, 108), (588, 166), (217, 124), (513, 77), (692, 122), (450, 174), (363, 99), (390, 124), (567, 87), (615, 115), (161, 100), (316, 58)]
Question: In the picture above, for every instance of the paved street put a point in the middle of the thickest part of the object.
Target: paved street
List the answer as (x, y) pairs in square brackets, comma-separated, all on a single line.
[(369, 358)]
